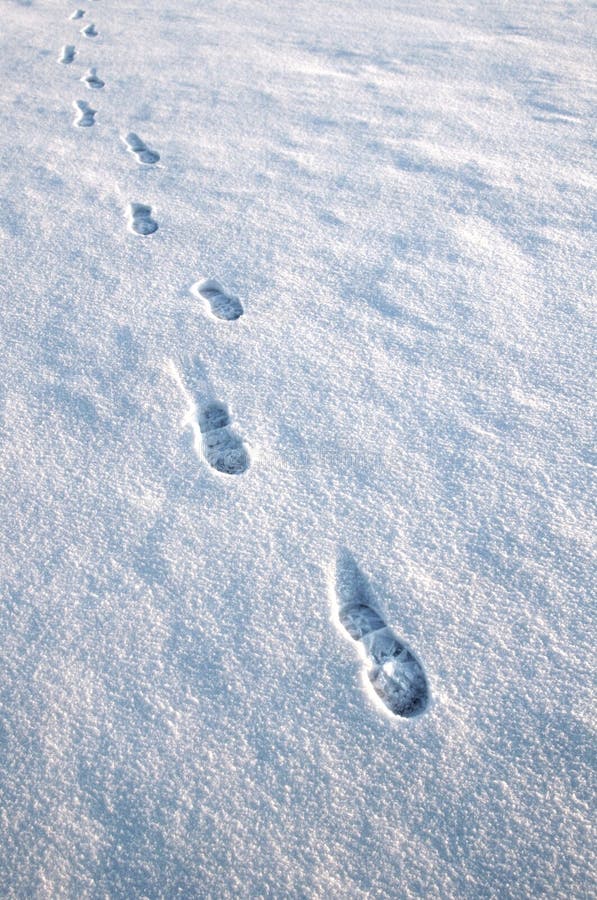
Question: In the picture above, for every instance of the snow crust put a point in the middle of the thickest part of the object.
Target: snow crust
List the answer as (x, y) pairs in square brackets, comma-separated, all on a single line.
[(399, 194)]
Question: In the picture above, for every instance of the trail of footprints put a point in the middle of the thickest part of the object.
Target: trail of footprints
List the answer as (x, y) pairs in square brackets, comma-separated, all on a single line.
[(216, 440), (394, 675)]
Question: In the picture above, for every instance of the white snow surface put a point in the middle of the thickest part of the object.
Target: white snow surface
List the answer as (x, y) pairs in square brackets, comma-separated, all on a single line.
[(399, 192)]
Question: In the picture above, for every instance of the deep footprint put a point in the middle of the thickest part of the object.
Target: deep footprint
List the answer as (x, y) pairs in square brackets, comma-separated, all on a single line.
[(92, 80), (135, 145), (85, 114), (393, 672), (140, 220), (214, 440), (222, 448), (78, 14), (67, 54), (222, 305), (90, 30)]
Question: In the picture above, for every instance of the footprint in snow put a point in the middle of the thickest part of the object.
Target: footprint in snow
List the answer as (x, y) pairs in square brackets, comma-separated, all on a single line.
[(85, 117), (92, 80), (90, 30), (135, 145), (222, 447), (214, 439), (67, 54), (140, 220), (78, 14), (394, 674), (221, 304)]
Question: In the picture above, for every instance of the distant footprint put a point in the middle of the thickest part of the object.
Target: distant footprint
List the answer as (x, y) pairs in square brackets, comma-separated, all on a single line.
[(135, 145), (78, 14), (222, 305), (92, 80), (90, 30), (85, 114), (67, 54), (213, 437), (140, 220), (393, 672)]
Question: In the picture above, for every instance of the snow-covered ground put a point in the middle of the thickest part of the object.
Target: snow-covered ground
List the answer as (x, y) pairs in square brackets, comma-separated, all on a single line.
[(395, 197)]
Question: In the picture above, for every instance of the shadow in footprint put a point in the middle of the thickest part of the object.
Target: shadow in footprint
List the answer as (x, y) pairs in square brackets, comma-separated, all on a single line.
[(140, 221), (135, 145), (221, 304), (394, 674), (78, 14), (67, 55), (222, 448), (213, 437), (90, 30), (92, 80), (85, 117)]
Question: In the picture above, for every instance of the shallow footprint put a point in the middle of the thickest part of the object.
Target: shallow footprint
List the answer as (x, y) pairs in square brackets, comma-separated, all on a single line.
[(222, 305), (92, 80), (140, 220), (67, 54), (394, 674), (78, 14), (90, 30), (85, 114), (135, 145)]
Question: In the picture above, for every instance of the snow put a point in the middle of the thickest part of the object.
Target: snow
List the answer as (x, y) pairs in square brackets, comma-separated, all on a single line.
[(399, 197)]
